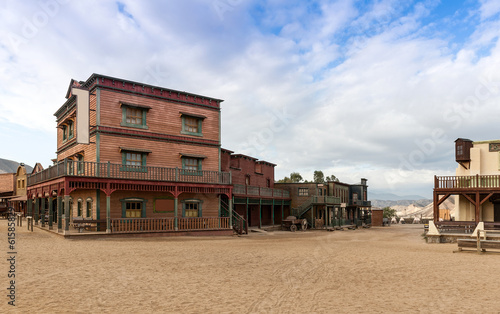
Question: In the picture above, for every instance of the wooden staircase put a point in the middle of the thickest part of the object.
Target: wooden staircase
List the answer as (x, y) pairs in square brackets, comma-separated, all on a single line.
[(240, 224)]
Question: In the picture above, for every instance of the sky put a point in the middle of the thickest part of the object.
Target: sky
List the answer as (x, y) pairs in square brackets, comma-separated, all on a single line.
[(358, 89)]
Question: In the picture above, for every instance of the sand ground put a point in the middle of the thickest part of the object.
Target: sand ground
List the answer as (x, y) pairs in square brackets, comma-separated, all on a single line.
[(376, 270)]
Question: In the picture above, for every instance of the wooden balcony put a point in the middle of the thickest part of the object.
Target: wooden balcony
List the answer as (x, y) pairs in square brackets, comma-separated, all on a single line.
[(108, 170), (467, 183), (256, 191)]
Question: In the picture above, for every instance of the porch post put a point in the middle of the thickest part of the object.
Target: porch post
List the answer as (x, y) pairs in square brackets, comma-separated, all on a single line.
[(66, 212), (282, 209), (272, 212), (37, 208), (108, 213), (30, 206), (51, 212), (42, 211), (59, 213), (247, 209), (176, 209), (477, 202), (436, 206), (260, 213), (230, 213)]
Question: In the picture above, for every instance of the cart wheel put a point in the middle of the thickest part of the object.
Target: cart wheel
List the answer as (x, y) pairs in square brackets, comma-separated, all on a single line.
[(304, 225), (293, 228)]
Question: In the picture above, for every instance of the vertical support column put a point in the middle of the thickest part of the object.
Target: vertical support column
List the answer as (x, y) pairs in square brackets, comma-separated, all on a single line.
[(477, 205), (59, 213), (66, 212), (248, 213), (282, 210), (37, 208), (230, 213), (108, 213), (436, 206), (51, 212), (260, 213), (176, 209), (29, 204), (42, 211), (272, 211)]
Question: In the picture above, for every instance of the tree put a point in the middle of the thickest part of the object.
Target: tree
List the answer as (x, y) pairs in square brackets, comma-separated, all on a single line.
[(332, 178), (319, 177), (389, 212), (295, 177)]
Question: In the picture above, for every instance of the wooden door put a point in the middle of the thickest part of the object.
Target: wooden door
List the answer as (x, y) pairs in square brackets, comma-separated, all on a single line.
[(496, 209)]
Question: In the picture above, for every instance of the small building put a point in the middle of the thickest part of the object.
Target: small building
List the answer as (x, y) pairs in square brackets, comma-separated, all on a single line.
[(19, 201), (331, 203), (255, 197), (7, 189), (476, 186)]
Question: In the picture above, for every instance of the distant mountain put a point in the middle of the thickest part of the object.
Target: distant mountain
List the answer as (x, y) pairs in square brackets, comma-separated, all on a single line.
[(10, 166), (384, 203), (393, 197)]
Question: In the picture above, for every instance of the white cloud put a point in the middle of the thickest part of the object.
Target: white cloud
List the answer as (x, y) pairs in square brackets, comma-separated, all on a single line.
[(360, 86)]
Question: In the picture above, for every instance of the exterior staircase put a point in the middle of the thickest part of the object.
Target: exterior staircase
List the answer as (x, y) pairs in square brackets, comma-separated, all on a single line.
[(240, 225)]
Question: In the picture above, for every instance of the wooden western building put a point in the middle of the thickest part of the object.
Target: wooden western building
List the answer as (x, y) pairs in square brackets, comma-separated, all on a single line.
[(133, 157), (329, 204), (255, 198), (476, 186)]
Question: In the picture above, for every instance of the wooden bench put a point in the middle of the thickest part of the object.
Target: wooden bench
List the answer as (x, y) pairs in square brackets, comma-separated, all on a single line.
[(88, 224), (480, 245)]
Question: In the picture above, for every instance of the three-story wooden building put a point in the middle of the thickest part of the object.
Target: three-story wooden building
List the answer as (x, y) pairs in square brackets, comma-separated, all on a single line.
[(152, 162)]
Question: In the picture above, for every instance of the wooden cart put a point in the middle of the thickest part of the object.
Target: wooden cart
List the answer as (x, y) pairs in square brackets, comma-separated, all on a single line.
[(292, 223)]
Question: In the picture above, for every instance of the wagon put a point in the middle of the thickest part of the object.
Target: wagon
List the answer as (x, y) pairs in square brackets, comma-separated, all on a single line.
[(292, 223)]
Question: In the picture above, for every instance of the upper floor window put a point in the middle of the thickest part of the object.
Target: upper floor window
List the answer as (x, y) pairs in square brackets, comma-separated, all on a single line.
[(134, 115), (68, 131), (80, 164), (247, 180), (192, 124), (192, 164), (303, 192), (134, 160)]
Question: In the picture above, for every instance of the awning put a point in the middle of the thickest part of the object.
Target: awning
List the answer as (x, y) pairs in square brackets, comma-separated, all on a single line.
[(19, 198)]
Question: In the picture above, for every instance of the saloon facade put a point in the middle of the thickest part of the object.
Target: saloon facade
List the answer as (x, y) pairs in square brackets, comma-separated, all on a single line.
[(133, 157)]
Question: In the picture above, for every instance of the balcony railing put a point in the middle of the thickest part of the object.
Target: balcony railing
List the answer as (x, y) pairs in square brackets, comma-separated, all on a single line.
[(467, 182), (360, 203), (119, 171), (259, 191)]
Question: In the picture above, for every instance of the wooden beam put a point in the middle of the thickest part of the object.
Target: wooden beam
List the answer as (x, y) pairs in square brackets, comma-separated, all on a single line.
[(443, 198), (486, 198)]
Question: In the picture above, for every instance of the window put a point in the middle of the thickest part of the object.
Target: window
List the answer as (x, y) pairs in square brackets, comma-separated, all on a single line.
[(303, 191), (134, 115), (133, 207), (89, 208), (191, 208), (134, 161), (268, 183), (18, 184), (22, 184), (191, 166), (80, 164), (460, 150), (71, 130), (191, 124), (65, 132), (79, 208), (320, 192), (247, 180)]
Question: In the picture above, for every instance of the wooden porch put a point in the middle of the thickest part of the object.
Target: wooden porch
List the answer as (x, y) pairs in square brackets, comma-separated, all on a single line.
[(60, 180), (476, 189)]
